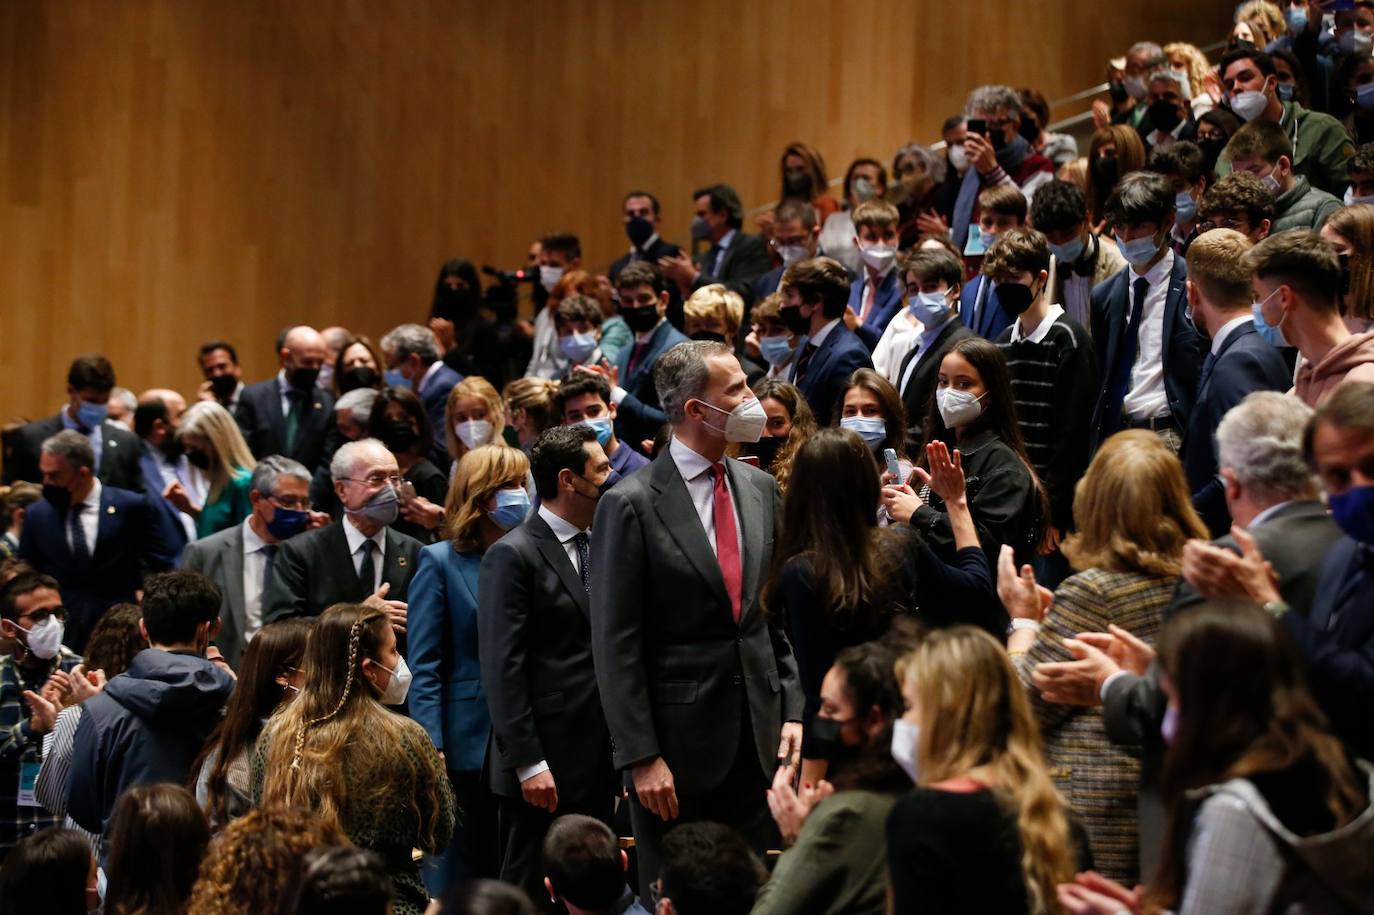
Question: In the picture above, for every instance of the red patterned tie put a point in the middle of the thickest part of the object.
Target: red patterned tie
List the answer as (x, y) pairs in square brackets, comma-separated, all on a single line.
[(727, 540)]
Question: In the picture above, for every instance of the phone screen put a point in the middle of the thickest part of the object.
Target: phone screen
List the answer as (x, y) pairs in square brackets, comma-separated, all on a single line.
[(978, 126)]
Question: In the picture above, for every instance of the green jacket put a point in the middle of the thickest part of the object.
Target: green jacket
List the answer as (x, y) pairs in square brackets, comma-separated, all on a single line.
[(1321, 148), (1302, 207)]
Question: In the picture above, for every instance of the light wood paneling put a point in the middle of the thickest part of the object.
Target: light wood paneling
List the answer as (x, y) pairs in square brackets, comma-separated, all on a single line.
[(176, 170)]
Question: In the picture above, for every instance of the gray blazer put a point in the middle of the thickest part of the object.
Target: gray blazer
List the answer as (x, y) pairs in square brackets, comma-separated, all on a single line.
[(219, 557)]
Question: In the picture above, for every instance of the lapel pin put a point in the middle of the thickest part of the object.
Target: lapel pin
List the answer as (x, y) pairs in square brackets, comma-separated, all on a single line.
[(114, 443), (109, 509), (317, 405), (401, 561)]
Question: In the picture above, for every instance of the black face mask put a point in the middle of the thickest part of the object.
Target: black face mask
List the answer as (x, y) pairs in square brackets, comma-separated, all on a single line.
[(998, 138), (198, 459), (1105, 172), (1015, 298), (798, 184), (223, 386), (360, 376), (611, 479), (823, 741), (57, 496), (792, 319), (1029, 130), (1118, 93), (1164, 115), (640, 320), (708, 335), (765, 449), (303, 379), (172, 449), (399, 435), (639, 230)]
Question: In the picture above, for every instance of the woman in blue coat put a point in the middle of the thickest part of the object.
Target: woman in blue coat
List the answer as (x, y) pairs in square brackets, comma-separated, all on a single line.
[(485, 499)]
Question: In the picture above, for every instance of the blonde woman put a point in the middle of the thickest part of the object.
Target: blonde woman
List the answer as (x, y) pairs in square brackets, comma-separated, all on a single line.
[(447, 698), (1134, 514), (339, 751), (984, 830), (474, 416), (529, 407), (1202, 77), (214, 445), (714, 312)]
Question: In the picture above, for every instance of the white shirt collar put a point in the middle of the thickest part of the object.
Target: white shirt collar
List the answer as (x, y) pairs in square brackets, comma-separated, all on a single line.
[(824, 332), (648, 244), (1226, 330), (355, 537), (1267, 514), (560, 526), (727, 238), (1041, 329), (689, 463), (252, 542), (93, 497)]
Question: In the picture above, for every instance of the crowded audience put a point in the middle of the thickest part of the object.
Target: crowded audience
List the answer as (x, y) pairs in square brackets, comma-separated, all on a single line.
[(989, 532)]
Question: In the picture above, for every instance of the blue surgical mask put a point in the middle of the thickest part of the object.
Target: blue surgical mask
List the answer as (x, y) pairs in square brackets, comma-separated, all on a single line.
[(601, 425), (872, 429), (1285, 91), (1353, 512), (1185, 206), (776, 350), (287, 522), (512, 505), (1296, 18), (577, 347), (1270, 333), (1069, 252), (928, 307), (91, 415), (1138, 251)]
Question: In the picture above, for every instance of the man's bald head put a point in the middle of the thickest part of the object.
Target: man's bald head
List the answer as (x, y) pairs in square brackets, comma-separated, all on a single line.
[(175, 403), (303, 348)]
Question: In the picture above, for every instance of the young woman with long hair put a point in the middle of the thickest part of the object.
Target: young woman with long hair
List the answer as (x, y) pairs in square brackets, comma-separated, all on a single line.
[(474, 416), (973, 410), (337, 750), (269, 677), (156, 839), (984, 830), (1267, 810), (790, 424)]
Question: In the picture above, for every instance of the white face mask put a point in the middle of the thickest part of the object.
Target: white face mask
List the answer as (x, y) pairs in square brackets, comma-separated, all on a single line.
[(1136, 87), (877, 257), (958, 158), (398, 685), (790, 254), (744, 423), (1249, 104), (549, 277), (45, 638), (1351, 199), (958, 408), (905, 738), (474, 433)]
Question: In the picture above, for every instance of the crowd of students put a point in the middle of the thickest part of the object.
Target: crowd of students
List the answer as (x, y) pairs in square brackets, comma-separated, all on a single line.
[(994, 538)]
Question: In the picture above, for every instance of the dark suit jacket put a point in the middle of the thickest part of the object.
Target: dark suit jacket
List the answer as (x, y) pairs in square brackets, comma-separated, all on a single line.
[(666, 644), (132, 540), (917, 393), (767, 284), (264, 425), (985, 318), (1147, 127), (745, 261), (839, 355), (219, 558), (441, 628), (152, 476), (1291, 539), (1244, 364), (639, 416), (535, 639), (1337, 641), (434, 395), (887, 301), (119, 454), (314, 570), (1182, 346)]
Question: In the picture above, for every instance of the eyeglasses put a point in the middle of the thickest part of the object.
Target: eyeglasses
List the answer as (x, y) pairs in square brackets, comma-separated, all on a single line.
[(39, 617), (376, 479), (291, 503)]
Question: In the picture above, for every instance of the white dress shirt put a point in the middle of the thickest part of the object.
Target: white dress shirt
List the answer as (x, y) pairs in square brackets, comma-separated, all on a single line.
[(1041, 330), (355, 539), (900, 337), (696, 472), (90, 517), (254, 568), (1146, 397), (190, 479)]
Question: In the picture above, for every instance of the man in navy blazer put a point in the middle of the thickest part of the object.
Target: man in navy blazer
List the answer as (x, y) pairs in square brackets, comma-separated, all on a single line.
[(155, 423), (289, 414), (413, 350), (1149, 354), (815, 295), (98, 541), (876, 296), (1240, 361), (981, 310), (643, 304)]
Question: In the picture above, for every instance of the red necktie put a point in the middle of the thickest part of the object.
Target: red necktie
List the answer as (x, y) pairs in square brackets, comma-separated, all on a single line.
[(727, 542), (636, 354)]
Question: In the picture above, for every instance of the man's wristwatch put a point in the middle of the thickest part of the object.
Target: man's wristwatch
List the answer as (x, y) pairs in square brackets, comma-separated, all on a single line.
[(1032, 625), (1276, 608)]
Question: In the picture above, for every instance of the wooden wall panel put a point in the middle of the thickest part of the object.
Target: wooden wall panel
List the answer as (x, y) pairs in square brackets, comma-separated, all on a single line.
[(176, 170)]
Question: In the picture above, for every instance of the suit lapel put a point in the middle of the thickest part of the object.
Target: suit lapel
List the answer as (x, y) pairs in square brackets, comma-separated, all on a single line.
[(679, 515), (554, 555), (749, 504), (110, 519), (396, 568), (1120, 313), (275, 417), (650, 354), (233, 575), (1173, 308)]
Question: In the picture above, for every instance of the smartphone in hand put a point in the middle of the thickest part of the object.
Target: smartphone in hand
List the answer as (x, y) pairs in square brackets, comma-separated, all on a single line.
[(978, 126), (893, 467)]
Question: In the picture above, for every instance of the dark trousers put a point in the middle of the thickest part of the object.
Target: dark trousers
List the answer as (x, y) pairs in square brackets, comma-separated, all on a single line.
[(740, 802), (469, 854), (522, 828)]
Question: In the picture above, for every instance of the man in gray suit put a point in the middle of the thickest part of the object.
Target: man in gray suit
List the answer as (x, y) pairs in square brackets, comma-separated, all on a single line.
[(239, 560), (707, 698), (355, 560), (1272, 493)]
